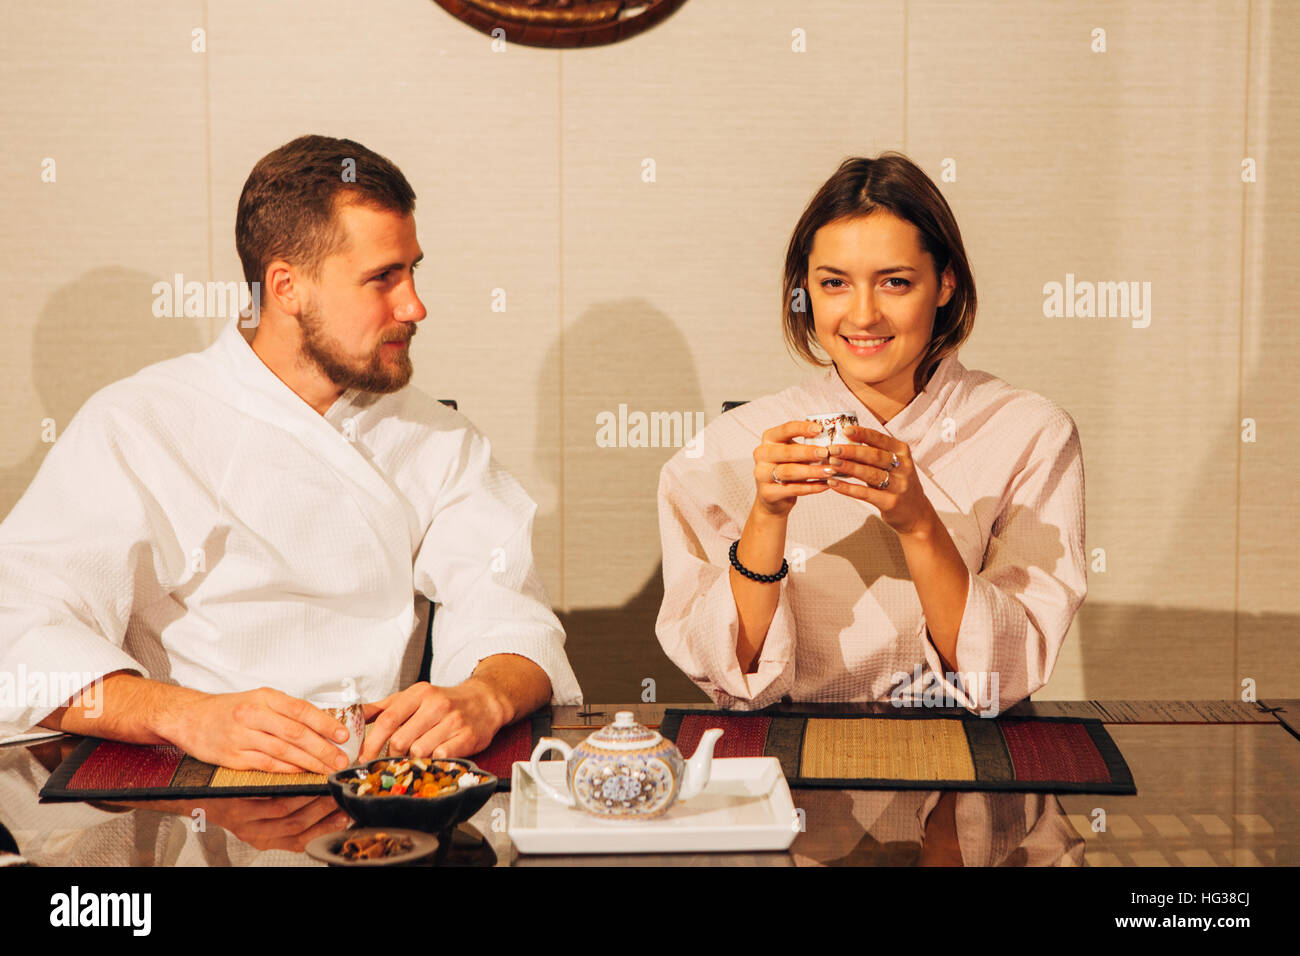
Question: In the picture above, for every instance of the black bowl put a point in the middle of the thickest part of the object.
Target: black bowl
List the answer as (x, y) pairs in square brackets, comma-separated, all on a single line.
[(428, 814)]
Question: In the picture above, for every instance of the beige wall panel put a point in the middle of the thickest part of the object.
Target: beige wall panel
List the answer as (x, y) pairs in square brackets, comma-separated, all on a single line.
[(114, 96), (672, 288), (1119, 166), (475, 133), (1269, 556)]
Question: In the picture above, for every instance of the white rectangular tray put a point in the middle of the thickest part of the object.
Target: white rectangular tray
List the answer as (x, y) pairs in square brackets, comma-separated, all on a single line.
[(745, 806)]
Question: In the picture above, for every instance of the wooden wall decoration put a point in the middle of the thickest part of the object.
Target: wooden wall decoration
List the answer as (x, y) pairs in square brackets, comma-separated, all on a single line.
[(561, 23)]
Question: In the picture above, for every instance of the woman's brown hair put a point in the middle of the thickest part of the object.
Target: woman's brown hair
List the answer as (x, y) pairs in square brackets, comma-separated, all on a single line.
[(860, 187)]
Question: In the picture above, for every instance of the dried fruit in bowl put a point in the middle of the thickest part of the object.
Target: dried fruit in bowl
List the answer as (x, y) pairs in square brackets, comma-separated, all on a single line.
[(415, 777)]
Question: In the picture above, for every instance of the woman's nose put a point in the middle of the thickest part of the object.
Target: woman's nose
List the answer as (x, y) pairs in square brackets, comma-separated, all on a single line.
[(865, 310)]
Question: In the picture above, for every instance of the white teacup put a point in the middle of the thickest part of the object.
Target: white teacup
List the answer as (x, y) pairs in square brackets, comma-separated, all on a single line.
[(350, 712), (833, 432), (833, 429)]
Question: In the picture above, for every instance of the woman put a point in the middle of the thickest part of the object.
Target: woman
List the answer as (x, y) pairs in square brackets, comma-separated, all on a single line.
[(937, 557)]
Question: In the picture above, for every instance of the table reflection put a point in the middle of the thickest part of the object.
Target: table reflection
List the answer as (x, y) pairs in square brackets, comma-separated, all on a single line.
[(1210, 794), (934, 828)]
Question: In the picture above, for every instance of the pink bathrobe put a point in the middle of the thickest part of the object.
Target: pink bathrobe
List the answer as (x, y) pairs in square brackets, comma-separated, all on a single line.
[(1004, 470)]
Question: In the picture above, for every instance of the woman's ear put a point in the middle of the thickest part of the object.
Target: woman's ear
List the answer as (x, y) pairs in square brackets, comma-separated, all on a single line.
[(947, 286)]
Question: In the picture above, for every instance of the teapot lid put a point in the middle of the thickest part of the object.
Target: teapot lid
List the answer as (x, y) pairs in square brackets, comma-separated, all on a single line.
[(624, 734)]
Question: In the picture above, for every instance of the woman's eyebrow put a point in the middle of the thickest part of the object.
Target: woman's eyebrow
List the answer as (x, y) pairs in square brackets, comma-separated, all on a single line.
[(879, 272)]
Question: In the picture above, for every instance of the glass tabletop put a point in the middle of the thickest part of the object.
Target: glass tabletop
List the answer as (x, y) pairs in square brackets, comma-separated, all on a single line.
[(1209, 794)]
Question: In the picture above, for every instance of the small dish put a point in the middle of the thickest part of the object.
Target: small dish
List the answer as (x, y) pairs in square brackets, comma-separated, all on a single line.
[(328, 848), (428, 814)]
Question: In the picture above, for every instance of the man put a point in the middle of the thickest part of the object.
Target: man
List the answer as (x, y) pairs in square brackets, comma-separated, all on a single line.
[(225, 534)]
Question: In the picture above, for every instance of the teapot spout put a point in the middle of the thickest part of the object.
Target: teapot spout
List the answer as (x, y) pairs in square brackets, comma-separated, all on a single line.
[(699, 767)]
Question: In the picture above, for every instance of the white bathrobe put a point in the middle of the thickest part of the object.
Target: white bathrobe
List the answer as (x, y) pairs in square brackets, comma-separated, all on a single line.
[(199, 523), (1003, 469)]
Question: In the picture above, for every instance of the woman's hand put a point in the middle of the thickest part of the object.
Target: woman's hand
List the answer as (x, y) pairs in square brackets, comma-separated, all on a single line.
[(785, 471), (882, 459)]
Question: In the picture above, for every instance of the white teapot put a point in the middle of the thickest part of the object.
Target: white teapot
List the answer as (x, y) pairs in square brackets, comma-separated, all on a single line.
[(625, 771)]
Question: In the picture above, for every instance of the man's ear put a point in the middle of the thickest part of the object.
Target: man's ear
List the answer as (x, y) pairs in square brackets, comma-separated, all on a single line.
[(282, 287)]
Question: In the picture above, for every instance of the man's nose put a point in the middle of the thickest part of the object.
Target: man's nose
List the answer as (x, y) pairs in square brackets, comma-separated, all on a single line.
[(411, 309)]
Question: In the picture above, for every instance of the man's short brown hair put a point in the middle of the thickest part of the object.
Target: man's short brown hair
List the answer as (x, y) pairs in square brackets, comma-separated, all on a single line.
[(287, 209)]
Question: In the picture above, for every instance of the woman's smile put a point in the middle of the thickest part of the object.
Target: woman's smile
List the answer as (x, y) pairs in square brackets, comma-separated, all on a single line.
[(864, 346)]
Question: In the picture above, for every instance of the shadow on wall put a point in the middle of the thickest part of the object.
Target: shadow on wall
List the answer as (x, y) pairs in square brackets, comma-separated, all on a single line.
[(625, 352), (1138, 651), (613, 649), (91, 333)]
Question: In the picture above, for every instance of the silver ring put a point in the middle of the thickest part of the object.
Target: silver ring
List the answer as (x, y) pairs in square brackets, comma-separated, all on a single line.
[(883, 485), (775, 479), (894, 461)]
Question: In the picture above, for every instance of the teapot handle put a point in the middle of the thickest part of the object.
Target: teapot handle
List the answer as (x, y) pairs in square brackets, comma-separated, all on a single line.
[(543, 745)]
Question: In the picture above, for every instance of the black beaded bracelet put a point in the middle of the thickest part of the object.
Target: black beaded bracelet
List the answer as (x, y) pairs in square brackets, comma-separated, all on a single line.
[(761, 578)]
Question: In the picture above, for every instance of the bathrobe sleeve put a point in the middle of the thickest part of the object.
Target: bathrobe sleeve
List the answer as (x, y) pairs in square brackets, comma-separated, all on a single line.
[(476, 563), (78, 551), (698, 623), (1034, 575)]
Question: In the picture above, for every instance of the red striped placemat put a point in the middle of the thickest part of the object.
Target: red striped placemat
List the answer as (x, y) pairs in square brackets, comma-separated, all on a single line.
[(106, 769), (917, 751)]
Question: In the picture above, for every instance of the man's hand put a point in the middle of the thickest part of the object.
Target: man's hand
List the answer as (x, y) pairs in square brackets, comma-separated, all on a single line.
[(260, 729), (428, 721), (263, 729)]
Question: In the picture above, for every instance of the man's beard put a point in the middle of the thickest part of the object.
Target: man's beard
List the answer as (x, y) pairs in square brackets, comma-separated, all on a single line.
[(377, 375)]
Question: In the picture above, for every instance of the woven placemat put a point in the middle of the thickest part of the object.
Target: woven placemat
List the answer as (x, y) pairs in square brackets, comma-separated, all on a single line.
[(106, 770), (917, 751)]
